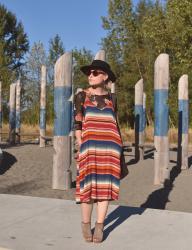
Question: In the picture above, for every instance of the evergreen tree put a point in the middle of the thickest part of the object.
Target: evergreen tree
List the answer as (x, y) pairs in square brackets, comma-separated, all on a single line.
[(136, 36), (81, 57), (120, 47), (56, 49), (13, 46), (13, 39)]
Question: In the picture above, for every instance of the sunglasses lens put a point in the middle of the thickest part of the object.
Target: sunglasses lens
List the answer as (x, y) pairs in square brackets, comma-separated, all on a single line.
[(94, 72)]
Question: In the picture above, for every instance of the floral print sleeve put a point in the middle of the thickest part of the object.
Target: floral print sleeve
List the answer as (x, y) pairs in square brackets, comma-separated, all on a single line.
[(78, 110)]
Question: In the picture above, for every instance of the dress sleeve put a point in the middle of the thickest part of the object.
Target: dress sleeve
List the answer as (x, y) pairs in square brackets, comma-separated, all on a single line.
[(78, 110)]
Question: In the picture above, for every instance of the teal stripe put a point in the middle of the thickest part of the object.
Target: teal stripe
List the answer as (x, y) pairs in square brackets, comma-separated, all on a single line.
[(42, 118), (101, 178), (62, 111), (139, 118), (100, 145), (161, 112), (12, 119), (183, 116), (1, 119), (18, 119)]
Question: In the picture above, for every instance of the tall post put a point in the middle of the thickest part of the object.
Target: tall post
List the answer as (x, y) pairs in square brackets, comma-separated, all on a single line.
[(112, 87), (183, 127), (144, 121), (100, 55), (161, 143), (144, 115), (139, 130), (12, 113), (43, 106), (18, 110), (62, 122), (0, 111)]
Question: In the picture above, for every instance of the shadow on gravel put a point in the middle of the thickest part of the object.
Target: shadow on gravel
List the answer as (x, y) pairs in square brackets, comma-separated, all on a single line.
[(119, 215), (159, 198), (8, 145), (190, 161), (149, 154), (20, 188), (7, 161)]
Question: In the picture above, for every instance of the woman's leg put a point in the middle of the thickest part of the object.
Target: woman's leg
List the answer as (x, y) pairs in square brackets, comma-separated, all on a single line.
[(102, 207), (86, 211)]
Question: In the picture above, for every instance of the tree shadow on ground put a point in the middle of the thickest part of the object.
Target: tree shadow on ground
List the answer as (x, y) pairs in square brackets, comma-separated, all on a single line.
[(190, 161), (20, 188), (16, 145), (149, 154), (118, 216), (7, 162), (159, 198)]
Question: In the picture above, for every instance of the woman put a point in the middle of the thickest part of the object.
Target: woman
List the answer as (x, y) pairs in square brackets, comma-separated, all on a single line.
[(100, 145)]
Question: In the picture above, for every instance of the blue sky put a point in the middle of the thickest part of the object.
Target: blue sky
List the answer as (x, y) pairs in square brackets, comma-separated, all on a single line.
[(78, 22)]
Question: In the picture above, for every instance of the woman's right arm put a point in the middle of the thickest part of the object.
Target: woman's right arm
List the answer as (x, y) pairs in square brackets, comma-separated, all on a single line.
[(78, 116), (78, 137)]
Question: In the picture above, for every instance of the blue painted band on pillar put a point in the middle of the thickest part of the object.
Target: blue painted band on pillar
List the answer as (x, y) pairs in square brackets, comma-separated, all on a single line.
[(161, 112), (65, 90), (12, 119), (184, 110), (144, 119), (62, 111), (0, 119), (42, 118), (139, 118), (72, 119), (18, 119)]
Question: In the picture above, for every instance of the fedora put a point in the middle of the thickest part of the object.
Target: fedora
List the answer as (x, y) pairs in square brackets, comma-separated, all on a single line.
[(99, 64)]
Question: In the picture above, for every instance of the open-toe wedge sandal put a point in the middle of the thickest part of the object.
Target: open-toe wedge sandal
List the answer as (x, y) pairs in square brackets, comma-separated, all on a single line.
[(86, 230), (98, 233)]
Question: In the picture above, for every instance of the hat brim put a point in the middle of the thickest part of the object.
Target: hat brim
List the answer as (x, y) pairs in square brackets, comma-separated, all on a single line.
[(87, 68)]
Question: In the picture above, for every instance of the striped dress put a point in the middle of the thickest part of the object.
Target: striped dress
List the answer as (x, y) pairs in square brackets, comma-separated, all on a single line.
[(98, 163)]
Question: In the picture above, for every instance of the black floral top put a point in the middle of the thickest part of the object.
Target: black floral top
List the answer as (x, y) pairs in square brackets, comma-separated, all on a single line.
[(99, 100)]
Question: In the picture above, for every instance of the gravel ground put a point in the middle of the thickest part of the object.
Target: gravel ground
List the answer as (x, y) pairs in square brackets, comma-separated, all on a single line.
[(27, 170)]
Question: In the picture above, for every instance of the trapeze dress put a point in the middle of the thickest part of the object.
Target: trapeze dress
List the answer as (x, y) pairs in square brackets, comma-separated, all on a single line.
[(98, 161)]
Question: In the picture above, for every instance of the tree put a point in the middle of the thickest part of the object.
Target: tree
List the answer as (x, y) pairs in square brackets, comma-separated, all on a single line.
[(179, 26), (13, 43), (31, 82), (56, 49), (80, 57), (120, 47), (13, 46), (136, 36)]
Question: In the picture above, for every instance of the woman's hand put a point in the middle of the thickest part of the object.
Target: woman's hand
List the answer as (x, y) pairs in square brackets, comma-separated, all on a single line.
[(78, 144)]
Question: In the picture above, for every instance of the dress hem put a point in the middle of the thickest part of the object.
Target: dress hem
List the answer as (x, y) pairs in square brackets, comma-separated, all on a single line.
[(95, 200)]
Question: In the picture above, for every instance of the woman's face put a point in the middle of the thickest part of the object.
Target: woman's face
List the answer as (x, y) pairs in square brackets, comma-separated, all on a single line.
[(96, 76)]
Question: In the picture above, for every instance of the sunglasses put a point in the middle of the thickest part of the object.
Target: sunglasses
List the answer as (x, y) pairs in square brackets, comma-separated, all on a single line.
[(94, 72)]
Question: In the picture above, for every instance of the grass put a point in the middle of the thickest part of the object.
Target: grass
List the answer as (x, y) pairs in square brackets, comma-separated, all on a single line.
[(30, 132), (127, 133)]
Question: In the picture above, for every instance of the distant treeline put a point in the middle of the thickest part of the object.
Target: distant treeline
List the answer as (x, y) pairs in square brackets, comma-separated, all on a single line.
[(136, 35)]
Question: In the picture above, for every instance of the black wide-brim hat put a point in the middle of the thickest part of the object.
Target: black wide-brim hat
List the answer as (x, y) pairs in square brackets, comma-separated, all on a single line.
[(102, 65)]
